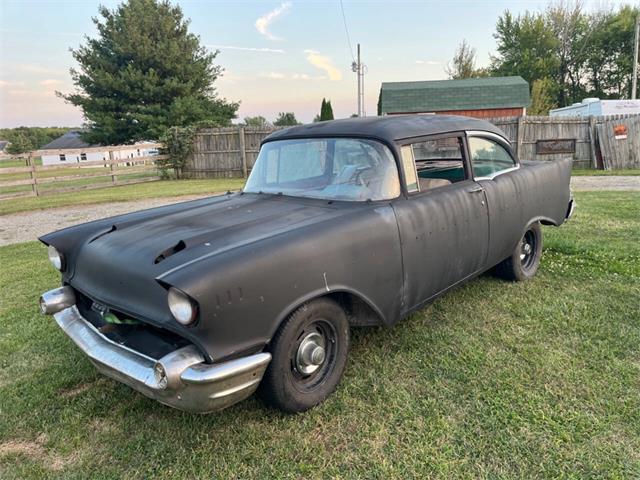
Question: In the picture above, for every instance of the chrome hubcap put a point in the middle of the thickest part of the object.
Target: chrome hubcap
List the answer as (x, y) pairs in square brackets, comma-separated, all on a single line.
[(525, 249), (311, 353)]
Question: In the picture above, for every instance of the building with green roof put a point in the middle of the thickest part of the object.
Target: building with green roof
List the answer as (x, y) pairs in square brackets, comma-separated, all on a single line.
[(474, 97)]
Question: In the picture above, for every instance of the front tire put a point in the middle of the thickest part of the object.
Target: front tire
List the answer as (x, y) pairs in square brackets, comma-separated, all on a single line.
[(524, 261), (309, 354)]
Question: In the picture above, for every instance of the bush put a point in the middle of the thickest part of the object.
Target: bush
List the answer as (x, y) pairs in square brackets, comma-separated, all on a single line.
[(178, 145)]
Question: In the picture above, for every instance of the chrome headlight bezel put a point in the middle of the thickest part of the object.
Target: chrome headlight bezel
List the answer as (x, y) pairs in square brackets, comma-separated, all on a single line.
[(56, 258), (182, 307)]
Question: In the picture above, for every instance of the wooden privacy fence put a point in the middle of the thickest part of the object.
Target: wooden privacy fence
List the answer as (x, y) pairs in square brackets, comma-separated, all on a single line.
[(224, 152), (589, 142), (34, 179)]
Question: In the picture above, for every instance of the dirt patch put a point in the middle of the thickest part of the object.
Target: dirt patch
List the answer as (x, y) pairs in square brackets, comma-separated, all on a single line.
[(35, 451), (81, 388)]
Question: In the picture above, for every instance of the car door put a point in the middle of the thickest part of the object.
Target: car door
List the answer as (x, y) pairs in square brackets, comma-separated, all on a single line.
[(442, 218), (496, 169)]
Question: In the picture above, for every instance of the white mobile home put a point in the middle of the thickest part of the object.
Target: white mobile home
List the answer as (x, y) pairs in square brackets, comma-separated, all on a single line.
[(69, 149), (596, 107)]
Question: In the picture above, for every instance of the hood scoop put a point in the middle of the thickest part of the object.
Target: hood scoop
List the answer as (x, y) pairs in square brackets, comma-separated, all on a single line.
[(111, 229), (170, 251)]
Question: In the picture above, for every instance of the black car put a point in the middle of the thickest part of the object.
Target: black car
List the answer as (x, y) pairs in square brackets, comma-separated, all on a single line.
[(345, 223)]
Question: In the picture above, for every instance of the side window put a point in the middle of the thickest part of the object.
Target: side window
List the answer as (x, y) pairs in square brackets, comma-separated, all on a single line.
[(488, 157), (437, 163)]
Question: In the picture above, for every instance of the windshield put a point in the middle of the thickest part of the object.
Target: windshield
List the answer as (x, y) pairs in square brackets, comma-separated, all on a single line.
[(327, 168)]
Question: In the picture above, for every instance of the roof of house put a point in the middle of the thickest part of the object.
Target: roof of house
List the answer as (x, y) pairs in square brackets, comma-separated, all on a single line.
[(71, 139), (387, 128), (445, 95), (3, 145)]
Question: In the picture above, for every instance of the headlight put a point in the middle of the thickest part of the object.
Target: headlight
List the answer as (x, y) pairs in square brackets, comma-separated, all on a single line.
[(56, 258), (182, 307)]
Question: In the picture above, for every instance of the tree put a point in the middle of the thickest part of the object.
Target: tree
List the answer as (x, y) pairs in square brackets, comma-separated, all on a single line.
[(326, 110), (463, 64), (542, 97), (25, 139), (581, 54), (570, 27), (286, 119), (145, 73), (20, 144), (259, 122), (609, 53), (526, 47)]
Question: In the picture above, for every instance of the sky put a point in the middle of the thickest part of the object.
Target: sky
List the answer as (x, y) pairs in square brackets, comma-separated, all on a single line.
[(277, 55)]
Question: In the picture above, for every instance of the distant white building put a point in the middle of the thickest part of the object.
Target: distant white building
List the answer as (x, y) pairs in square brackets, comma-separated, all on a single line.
[(596, 107), (74, 146)]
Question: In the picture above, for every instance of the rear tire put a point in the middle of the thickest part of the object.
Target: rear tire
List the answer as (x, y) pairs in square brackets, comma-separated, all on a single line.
[(525, 258), (309, 354)]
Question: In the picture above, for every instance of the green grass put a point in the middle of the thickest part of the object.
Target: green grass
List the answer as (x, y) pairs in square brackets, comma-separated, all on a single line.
[(579, 172), (165, 188), (17, 162), (494, 380)]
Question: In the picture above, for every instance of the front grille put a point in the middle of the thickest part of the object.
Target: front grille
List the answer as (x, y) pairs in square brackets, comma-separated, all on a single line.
[(147, 339)]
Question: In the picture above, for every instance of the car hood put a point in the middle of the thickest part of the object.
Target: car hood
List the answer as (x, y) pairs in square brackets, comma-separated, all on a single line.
[(120, 263)]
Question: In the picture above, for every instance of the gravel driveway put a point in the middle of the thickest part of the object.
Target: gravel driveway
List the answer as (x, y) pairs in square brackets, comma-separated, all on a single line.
[(27, 226)]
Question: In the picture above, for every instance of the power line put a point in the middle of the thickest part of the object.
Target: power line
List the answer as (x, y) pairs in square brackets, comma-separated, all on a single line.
[(346, 29)]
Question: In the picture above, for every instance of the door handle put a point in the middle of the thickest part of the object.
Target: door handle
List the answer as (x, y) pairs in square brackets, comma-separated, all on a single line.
[(476, 189)]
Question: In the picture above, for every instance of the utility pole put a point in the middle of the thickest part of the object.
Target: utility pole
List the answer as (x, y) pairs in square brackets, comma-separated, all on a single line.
[(634, 82), (360, 69)]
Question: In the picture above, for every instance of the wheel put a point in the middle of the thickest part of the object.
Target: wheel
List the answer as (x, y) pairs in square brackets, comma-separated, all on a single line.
[(525, 259), (309, 353)]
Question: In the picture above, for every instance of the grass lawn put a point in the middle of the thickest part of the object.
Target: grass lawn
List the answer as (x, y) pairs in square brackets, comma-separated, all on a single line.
[(493, 380), (579, 172), (165, 188)]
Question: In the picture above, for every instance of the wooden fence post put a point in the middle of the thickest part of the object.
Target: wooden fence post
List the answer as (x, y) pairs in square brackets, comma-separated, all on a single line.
[(114, 177), (32, 173), (519, 135), (243, 152), (592, 141)]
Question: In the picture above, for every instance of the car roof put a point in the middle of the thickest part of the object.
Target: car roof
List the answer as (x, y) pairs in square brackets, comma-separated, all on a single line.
[(390, 128)]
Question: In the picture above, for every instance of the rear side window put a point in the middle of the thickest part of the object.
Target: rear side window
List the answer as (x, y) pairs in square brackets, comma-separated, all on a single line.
[(436, 163), (489, 157)]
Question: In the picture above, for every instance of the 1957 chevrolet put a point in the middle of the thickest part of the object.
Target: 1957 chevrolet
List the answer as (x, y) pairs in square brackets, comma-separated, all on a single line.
[(345, 223)]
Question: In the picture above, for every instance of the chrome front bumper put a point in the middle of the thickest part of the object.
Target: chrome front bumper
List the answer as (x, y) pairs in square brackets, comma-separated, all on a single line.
[(180, 379)]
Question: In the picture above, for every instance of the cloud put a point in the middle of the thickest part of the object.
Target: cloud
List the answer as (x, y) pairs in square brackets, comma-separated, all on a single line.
[(293, 76), (273, 75), (246, 49), (323, 63), (427, 62), (304, 76), (262, 24)]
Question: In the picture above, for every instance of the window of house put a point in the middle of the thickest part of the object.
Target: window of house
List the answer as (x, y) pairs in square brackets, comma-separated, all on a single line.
[(438, 162), (63, 157), (489, 157)]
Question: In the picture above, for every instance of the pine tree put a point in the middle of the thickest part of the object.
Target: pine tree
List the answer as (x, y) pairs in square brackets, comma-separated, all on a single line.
[(326, 111), (145, 72)]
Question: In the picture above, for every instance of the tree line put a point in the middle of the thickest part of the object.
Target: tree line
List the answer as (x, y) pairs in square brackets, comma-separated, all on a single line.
[(25, 139), (287, 119), (565, 53)]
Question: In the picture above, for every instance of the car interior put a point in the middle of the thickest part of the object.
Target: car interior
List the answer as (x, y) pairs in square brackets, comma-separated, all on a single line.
[(439, 162)]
